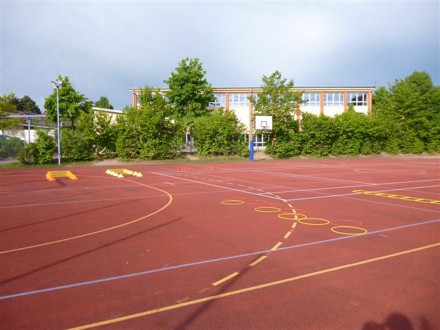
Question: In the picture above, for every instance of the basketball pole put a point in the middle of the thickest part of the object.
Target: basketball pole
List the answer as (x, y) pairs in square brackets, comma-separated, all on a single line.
[(251, 127)]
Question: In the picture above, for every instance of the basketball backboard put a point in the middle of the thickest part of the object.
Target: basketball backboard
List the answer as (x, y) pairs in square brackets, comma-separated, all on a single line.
[(263, 123)]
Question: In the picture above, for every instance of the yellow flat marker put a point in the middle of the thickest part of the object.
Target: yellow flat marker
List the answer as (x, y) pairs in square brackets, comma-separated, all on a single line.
[(119, 172), (53, 175)]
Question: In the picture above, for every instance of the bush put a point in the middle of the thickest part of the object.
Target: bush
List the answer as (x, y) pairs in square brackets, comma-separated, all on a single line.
[(147, 133), (39, 152), (290, 148), (10, 147), (219, 134), (318, 135), (77, 145)]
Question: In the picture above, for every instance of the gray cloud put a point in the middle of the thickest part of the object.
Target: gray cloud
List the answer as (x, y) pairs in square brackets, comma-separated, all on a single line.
[(107, 47)]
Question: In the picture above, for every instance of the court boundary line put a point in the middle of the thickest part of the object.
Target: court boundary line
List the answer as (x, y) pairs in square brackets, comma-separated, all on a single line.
[(268, 195), (203, 262), (96, 232), (253, 288)]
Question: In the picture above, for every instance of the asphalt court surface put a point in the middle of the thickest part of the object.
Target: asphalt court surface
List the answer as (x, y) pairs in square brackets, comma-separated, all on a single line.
[(295, 244)]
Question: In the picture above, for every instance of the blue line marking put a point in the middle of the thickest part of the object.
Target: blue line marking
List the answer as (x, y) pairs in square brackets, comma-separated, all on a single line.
[(191, 264)]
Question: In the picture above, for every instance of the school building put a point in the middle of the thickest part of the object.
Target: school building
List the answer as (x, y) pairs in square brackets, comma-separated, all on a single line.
[(329, 101)]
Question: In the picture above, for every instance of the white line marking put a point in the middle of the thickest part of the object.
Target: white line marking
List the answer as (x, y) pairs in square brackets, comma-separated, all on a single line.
[(203, 262)]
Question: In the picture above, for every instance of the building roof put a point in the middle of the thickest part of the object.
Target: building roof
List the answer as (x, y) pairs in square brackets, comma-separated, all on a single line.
[(306, 89)]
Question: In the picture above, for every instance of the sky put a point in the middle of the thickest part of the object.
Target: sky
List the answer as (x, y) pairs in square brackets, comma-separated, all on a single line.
[(108, 47)]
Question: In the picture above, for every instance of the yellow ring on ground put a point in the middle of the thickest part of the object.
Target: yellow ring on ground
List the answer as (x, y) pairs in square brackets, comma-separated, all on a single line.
[(267, 209), (292, 216), (315, 221), (341, 232), (232, 202)]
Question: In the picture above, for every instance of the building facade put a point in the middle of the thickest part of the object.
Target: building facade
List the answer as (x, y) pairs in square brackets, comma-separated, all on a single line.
[(329, 101)]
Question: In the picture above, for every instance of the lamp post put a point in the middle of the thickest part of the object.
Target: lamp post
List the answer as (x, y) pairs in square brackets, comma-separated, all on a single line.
[(57, 84)]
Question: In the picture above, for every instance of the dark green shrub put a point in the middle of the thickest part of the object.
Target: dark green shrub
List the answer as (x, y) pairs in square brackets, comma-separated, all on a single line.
[(220, 133), (39, 152), (318, 135), (77, 145), (10, 147), (147, 133)]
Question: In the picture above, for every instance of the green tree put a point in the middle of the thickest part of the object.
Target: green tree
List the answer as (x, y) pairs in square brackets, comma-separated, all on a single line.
[(8, 107), (78, 142), (103, 103), (220, 133), (39, 152), (410, 113), (27, 105), (71, 103), (318, 135), (356, 134), (189, 91), (105, 135), (148, 132), (278, 100)]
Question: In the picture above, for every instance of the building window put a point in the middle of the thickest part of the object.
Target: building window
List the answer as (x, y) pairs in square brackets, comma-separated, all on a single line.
[(260, 140), (333, 99), (220, 101), (310, 99), (238, 100), (357, 99)]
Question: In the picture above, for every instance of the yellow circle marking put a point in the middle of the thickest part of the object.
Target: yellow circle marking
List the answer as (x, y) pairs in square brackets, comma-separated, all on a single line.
[(232, 202), (314, 221), (349, 230), (267, 209), (168, 203), (292, 216)]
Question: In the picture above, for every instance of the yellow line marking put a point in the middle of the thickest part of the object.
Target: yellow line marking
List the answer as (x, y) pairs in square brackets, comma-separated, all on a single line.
[(232, 202), (170, 200), (345, 230), (225, 279), (292, 216), (276, 246), (182, 300), (204, 290), (249, 289), (267, 209), (294, 225), (394, 196), (314, 221), (260, 259), (287, 234)]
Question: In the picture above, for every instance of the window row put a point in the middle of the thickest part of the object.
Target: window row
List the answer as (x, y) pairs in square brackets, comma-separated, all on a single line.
[(308, 99), (235, 100), (333, 99)]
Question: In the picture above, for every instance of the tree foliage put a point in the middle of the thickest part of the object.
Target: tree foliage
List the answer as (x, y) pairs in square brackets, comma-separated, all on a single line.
[(220, 133), (105, 135), (39, 152), (71, 103), (27, 105), (104, 103), (278, 100), (189, 92), (406, 119), (148, 132), (8, 107), (78, 143), (409, 113)]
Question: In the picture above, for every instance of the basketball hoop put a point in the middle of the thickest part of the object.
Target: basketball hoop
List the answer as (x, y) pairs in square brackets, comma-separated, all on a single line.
[(263, 123)]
